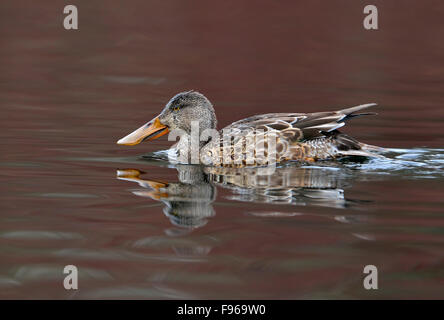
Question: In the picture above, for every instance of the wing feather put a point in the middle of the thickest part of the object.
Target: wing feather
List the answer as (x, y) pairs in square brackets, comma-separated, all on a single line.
[(311, 125)]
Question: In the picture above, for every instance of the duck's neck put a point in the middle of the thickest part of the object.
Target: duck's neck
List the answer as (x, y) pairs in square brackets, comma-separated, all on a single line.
[(184, 152)]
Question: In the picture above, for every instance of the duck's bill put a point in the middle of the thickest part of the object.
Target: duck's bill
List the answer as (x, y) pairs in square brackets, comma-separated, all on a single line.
[(149, 131)]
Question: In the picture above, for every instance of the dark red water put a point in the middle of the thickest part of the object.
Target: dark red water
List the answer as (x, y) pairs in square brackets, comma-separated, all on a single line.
[(67, 96)]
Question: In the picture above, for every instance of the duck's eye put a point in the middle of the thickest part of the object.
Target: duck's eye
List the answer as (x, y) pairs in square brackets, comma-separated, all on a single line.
[(176, 108)]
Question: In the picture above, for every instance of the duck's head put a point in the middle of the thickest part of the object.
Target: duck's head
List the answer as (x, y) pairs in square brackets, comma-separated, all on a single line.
[(178, 113)]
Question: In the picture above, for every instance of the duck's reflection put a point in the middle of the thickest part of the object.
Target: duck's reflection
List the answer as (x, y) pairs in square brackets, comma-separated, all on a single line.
[(188, 202)]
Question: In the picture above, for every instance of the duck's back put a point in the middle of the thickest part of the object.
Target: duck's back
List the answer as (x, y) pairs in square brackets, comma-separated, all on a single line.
[(298, 136)]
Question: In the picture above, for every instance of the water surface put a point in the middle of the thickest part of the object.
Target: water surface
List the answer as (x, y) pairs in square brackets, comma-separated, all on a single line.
[(138, 227)]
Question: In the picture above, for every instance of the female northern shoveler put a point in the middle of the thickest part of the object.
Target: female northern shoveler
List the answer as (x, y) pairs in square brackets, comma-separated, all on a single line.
[(298, 136)]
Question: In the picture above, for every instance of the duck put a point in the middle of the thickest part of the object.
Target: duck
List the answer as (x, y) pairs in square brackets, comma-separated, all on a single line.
[(259, 140)]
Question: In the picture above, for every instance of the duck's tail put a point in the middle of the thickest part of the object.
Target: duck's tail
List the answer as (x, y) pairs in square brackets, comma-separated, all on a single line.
[(348, 146), (353, 111), (363, 150)]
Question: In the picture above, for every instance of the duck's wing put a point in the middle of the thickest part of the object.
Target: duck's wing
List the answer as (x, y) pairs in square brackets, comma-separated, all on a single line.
[(299, 136), (300, 126)]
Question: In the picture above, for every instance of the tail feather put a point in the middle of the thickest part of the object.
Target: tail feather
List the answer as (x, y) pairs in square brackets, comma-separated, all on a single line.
[(351, 112), (361, 153), (371, 148), (348, 146)]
